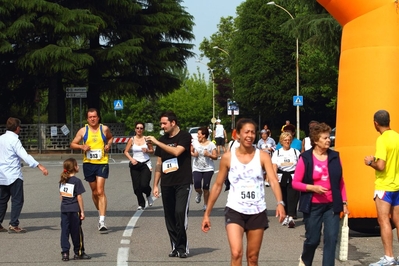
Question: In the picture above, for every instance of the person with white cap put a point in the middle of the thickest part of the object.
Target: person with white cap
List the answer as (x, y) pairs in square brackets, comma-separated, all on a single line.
[(220, 136)]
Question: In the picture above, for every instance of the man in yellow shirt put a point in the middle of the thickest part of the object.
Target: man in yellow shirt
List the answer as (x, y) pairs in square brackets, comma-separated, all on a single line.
[(386, 193), (95, 140)]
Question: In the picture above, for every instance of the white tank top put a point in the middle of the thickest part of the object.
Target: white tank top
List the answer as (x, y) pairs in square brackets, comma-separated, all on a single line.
[(247, 190), (139, 155)]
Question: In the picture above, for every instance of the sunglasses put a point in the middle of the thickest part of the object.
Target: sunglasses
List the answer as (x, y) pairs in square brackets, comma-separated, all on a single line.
[(139, 127)]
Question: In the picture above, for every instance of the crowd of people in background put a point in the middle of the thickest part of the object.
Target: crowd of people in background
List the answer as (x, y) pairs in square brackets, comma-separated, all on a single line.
[(304, 176)]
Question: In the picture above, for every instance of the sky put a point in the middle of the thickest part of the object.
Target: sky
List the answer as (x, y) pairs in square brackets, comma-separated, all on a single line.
[(207, 14)]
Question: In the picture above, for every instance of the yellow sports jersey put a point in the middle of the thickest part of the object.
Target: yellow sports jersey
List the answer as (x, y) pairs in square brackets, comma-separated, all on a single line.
[(96, 141), (387, 149)]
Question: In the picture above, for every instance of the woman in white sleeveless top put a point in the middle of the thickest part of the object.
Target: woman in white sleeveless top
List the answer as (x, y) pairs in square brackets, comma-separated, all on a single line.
[(245, 210), (140, 165)]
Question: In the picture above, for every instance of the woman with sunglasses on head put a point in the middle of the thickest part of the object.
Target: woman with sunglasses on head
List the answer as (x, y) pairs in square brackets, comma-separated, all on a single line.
[(140, 165)]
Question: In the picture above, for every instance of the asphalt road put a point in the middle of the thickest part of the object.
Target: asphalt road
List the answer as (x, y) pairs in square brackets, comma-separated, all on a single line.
[(140, 237)]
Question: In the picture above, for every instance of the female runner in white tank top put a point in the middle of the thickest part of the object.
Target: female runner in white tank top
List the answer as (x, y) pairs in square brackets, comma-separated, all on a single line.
[(246, 207), (140, 165)]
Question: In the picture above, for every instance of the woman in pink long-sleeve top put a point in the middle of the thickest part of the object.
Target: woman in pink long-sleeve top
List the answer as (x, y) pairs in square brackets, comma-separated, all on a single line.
[(318, 175)]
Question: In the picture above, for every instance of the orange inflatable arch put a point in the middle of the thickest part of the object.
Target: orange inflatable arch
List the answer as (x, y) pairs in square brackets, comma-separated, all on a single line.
[(368, 81)]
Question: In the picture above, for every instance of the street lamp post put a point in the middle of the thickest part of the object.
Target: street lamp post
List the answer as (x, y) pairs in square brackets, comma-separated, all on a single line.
[(232, 111), (213, 120), (297, 70)]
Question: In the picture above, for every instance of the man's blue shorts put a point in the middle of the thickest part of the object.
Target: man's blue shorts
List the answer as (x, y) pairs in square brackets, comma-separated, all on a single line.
[(91, 171), (392, 197)]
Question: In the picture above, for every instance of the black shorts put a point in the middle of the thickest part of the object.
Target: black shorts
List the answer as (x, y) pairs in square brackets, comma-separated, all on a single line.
[(91, 171), (219, 141), (247, 221)]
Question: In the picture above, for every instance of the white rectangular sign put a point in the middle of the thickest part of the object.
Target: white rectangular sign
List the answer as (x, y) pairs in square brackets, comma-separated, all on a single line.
[(53, 131), (76, 89), (76, 94), (65, 130)]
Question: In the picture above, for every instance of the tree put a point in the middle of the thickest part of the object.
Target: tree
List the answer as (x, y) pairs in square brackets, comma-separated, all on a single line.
[(137, 50), (261, 62), (114, 47), (38, 45), (192, 103)]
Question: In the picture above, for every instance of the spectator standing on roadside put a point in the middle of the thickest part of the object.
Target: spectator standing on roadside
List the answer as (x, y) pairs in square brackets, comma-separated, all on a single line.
[(385, 162), (11, 178), (95, 140), (72, 211), (173, 170), (140, 165), (220, 137)]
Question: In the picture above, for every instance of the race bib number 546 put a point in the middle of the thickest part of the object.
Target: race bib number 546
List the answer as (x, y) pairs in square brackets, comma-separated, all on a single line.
[(250, 193)]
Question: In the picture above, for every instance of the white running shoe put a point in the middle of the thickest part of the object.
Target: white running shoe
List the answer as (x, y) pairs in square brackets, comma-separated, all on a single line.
[(198, 198), (139, 208), (285, 222), (150, 200), (384, 261), (102, 227)]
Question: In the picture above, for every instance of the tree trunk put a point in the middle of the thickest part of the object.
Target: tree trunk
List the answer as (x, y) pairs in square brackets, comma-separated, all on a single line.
[(56, 100), (94, 78)]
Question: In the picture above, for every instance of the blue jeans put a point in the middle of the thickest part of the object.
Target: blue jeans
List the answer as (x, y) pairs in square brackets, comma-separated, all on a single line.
[(16, 192), (320, 214)]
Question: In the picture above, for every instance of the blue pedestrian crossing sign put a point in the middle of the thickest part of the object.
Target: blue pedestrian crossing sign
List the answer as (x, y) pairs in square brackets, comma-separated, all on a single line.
[(297, 100), (118, 105)]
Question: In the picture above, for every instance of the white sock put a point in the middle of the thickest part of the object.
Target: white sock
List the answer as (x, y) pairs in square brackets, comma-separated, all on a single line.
[(102, 218)]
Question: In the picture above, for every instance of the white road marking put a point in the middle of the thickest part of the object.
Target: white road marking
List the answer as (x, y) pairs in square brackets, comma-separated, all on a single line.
[(123, 255), (123, 252)]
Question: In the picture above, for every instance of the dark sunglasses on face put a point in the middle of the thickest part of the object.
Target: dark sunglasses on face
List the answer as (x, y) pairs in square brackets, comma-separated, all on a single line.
[(139, 127)]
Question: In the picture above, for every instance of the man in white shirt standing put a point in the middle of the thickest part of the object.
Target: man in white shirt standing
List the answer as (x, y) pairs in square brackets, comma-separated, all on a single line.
[(11, 179), (220, 136)]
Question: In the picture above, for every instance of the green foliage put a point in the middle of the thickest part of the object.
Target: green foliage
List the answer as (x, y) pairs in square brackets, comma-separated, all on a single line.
[(113, 47), (192, 103), (261, 48), (108, 118)]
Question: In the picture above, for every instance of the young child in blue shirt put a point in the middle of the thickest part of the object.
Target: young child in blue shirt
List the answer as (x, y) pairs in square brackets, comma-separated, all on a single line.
[(72, 211)]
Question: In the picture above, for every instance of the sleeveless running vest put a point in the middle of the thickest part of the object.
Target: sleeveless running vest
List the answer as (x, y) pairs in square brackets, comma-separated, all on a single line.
[(96, 141), (247, 190)]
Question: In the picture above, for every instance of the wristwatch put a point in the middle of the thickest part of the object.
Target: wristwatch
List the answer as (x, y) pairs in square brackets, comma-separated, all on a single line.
[(370, 162), (344, 203), (281, 202)]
